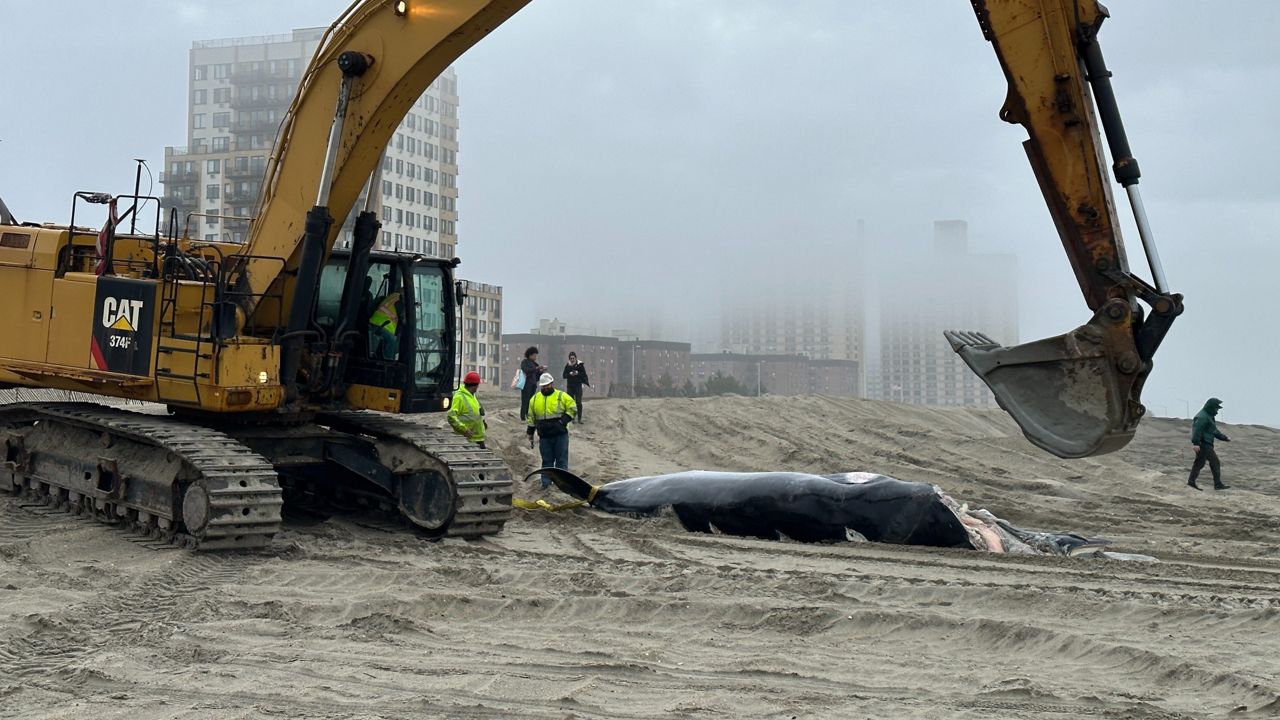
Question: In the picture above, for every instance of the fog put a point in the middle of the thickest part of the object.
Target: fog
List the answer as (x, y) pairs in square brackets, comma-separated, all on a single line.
[(649, 156)]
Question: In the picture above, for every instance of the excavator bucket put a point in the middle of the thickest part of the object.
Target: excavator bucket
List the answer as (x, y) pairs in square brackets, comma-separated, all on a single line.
[(1074, 395)]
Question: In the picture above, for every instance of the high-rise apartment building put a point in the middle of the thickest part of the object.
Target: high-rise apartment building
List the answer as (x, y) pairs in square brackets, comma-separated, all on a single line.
[(950, 288), (241, 89), (481, 329)]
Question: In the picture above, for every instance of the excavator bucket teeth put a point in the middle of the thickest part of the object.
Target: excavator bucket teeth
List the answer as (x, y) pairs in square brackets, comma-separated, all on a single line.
[(1074, 395)]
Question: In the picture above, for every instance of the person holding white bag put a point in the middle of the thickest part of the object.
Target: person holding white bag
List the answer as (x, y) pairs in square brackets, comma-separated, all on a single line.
[(526, 379)]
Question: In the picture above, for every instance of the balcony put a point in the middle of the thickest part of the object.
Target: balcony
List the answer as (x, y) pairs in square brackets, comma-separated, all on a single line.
[(241, 197), (186, 177), (243, 126), (251, 172), (259, 103), (259, 75), (183, 204)]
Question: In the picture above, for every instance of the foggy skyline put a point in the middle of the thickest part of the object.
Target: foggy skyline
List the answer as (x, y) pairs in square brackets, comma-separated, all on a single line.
[(647, 155)]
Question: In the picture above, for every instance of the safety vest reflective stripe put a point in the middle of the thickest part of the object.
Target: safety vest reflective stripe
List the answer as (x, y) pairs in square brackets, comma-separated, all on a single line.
[(539, 406), (464, 415), (469, 411)]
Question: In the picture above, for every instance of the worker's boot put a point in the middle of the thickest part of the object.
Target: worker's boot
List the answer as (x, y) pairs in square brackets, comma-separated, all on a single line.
[(1192, 484), (1221, 486)]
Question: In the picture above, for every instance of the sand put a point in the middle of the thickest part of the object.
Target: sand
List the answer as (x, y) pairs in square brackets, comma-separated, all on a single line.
[(583, 615)]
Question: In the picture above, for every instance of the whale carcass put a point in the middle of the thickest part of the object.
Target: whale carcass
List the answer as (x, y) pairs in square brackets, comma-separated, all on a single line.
[(818, 508)]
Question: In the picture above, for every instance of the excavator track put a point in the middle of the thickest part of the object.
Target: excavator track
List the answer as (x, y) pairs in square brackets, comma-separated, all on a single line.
[(481, 482), (172, 480)]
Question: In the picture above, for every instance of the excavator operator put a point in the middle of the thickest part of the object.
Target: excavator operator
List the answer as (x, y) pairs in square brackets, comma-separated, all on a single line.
[(383, 340)]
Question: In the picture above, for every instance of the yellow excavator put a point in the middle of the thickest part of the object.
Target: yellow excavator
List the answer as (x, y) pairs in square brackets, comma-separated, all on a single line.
[(278, 389)]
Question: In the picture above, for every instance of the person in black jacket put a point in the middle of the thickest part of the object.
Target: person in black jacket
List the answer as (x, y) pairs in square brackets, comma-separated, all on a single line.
[(575, 375), (532, 370)]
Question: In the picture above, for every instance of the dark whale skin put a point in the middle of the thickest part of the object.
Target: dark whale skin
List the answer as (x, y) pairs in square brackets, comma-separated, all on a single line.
[(773, 505)]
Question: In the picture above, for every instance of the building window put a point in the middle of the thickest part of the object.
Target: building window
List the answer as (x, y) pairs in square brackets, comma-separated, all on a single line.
[(213, 167), (221, 144), (197, 121), (222, 120), (211, 192), (199, 72), (222, 71), (199, 97)]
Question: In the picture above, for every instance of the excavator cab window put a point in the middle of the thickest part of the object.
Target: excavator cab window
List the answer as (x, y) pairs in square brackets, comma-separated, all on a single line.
[(431, 314), (404, 338)]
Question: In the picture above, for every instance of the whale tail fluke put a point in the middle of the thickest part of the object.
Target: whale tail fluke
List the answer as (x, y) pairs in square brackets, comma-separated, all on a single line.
[(568, 483)]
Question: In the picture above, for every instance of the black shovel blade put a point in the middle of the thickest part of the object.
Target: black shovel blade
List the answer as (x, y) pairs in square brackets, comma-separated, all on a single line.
[(568, 483)]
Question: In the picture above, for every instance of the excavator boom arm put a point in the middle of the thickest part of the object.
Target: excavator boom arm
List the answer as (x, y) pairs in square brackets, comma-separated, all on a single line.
[(407, 45)]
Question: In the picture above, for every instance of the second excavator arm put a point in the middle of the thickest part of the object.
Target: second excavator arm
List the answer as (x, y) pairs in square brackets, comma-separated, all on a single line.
[(1077, 394)]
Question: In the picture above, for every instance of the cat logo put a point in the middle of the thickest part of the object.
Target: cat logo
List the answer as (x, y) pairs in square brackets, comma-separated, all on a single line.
[(121, 314)]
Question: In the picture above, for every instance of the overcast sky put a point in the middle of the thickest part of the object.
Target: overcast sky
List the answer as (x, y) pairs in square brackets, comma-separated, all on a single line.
[(622, 155)]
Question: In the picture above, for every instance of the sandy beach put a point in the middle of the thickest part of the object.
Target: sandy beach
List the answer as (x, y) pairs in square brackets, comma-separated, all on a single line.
[(579, 614)]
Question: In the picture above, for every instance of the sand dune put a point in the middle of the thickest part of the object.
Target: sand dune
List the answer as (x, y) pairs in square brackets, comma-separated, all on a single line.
[(583, 615)]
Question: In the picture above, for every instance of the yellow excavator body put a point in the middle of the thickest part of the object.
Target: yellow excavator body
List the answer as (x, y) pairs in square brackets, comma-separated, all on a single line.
[(265, 353)]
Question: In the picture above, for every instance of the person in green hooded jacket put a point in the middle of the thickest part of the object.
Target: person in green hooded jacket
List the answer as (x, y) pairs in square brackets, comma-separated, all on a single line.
[(1204, 431)]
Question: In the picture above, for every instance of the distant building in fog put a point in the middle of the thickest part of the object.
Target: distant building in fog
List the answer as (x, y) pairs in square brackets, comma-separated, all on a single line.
[(834, 378), (950, 289), (650, 364), (813, 321), (787, 375)]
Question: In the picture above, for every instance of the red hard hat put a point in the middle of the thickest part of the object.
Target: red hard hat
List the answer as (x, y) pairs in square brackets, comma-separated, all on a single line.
[(471, 378)]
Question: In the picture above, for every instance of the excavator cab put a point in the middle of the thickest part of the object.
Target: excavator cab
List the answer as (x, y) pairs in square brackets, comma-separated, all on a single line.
[(402, 349)]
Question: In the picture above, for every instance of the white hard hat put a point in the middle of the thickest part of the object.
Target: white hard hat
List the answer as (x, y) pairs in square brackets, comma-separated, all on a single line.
[(545, 380)]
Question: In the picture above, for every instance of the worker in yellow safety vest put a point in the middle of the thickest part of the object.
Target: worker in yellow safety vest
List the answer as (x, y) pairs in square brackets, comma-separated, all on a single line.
[(383, 344), (466, 415), (550, 412)]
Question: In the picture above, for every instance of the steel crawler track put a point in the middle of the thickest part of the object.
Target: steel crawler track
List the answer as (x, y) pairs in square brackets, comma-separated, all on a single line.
[(185, 483), (482, 483)]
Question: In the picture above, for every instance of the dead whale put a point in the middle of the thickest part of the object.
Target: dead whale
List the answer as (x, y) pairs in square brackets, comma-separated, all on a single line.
[(816, 508)]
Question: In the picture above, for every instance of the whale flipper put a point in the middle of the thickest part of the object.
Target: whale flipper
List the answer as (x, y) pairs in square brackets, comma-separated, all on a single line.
[(568, 483)]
